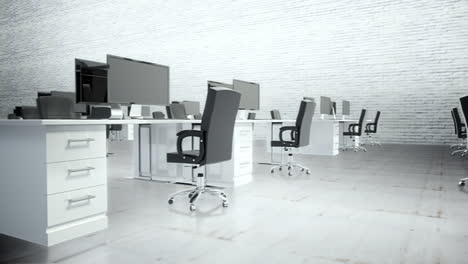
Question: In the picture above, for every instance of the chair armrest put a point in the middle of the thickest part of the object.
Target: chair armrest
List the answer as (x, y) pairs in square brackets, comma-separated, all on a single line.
[(370, 125), (293, 129), (352, 126), (189, 133)]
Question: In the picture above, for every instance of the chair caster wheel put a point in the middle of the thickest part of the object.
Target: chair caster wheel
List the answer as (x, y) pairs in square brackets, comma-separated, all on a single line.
[(225, 204), (272, 171), (308, 171), (453, 154), (170, 201), (290, 173), (302, 169), (193, 207), (461, 183), (190, 195), (289, 167), (224, 195), (463, 155), (280, 168)]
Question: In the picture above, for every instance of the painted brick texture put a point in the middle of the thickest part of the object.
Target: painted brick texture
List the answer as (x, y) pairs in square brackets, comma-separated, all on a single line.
[(406, 58)]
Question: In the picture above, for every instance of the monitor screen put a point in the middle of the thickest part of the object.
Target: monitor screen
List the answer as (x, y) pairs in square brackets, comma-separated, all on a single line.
[(346, 108), (90, 81), (192, 107), (138, 82), (325, 105), (250, 94)]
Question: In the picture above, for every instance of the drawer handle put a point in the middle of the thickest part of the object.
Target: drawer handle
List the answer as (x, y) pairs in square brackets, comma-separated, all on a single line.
[(80, 140), (85, 198), (79, 170)]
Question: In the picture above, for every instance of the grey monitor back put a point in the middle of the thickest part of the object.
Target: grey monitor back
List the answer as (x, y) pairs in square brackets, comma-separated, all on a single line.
[(325, 105), (275, 114), (304, 122), (176, 111), (191, 107), (250, 94), (139, 82), (346, 108), (218, 122), (55, 107), (79, 107)]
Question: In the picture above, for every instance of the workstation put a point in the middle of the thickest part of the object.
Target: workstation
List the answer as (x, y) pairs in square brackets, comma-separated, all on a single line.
[(223, 140)]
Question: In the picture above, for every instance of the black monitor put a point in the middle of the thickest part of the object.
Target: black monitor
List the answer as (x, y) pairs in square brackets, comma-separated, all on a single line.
[(250, 94), (90, 81), (138, 82)]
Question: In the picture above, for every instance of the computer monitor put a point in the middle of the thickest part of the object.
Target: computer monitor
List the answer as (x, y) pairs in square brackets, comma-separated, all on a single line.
[(346, 110), (138, 82), (325, 105), (332, 108), (191, 107), (90, 81), (250, 94), (309, 98)]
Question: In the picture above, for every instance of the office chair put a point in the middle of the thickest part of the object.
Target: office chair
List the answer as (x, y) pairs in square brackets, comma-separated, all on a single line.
[(251, 116), (464, 106), (55, 107), (158, 115), (176, 111), (216, 136), (371, 128), (299, 136), (461, 133), (354, 132)]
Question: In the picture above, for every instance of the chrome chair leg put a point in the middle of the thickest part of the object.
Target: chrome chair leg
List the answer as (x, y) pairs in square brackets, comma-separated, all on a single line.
[(461, 184), (289, 165), (462, 151)]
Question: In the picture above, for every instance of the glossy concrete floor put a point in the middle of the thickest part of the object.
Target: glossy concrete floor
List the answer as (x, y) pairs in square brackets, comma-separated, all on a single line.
[(393, 204)]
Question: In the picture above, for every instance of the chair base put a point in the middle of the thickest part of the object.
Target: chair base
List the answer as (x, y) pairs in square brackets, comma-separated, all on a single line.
[(195, 193), (461, 184), (462, 152), (289, 165), (458, 146)]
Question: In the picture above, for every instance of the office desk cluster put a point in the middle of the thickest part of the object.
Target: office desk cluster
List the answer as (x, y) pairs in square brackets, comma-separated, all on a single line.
[(54, 177)]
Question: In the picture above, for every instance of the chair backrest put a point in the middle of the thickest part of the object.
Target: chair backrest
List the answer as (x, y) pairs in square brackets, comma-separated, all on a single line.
[(55, 107), (251, 116), (218, 122), (176, 111), (376, 121), (458, 121), (275, 114), (304, 122), (454, 121), (361, 121), (158, 115)]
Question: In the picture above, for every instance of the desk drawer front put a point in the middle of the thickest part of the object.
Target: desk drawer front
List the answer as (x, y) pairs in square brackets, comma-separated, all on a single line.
[(74, 143), (74, 205), (78, 174)]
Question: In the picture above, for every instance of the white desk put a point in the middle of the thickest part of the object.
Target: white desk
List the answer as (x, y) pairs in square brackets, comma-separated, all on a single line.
[(53, 184)]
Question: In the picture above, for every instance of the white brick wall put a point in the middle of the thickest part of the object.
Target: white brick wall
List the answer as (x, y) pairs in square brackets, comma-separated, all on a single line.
[(407, 58)]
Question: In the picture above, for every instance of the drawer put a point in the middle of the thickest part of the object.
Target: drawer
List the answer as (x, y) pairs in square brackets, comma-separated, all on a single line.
[(243, 153), (74, 205), (243, 168), (78, 174), (66, 143)]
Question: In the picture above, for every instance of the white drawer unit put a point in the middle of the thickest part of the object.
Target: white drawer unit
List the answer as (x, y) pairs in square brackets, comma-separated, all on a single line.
[(74, 205), (59, 192), (77, 174), (75, 142)]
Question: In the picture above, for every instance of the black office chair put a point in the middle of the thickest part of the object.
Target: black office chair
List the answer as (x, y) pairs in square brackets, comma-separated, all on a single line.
[(55, 107), (299, 136), (371, 128), (464, 106), (176, 111), (216, 135), (460, 130), (158, 115), (354, 132)]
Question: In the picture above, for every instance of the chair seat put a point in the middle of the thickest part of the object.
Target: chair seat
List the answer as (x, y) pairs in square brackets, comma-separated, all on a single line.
[(351, 134), (278, 143), (189, 156), (369, 131)]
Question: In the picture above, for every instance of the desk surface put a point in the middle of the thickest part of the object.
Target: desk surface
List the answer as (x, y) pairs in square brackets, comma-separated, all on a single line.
[(61, 122)]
